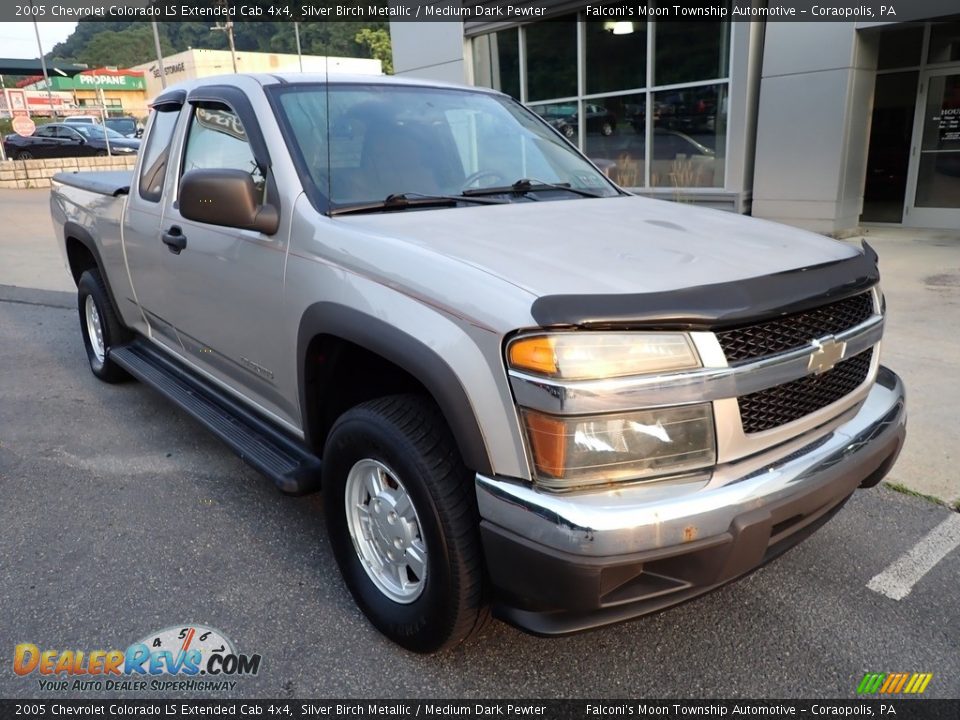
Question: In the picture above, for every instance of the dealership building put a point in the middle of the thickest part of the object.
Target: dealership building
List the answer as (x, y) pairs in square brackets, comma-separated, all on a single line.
[(823, 125)]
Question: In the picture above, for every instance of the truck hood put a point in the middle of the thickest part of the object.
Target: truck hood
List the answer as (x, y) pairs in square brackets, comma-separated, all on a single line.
[(606, 245)]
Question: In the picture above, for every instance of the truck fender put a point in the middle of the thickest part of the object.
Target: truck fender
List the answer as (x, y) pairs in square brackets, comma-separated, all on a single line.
[(75, 231), (406, 352)]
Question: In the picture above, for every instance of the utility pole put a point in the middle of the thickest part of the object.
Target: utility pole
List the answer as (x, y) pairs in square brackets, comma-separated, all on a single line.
[(156, 45), (227, 27), (296, 31), (43, 66)]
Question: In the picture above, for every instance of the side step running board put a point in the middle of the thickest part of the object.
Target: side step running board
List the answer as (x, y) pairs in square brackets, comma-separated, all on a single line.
[(281, 458)]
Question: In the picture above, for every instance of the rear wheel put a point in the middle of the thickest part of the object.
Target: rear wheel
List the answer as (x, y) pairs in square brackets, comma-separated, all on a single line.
[(100, 327), (24, 155), (402, 521), (101, 153)]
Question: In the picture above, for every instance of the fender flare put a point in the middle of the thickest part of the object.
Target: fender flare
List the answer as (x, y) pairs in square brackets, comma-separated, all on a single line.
[(75, 231), (406, 352)]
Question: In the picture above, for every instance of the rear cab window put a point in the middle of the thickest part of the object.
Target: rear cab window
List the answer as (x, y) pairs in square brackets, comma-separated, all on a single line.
[(153, 165)]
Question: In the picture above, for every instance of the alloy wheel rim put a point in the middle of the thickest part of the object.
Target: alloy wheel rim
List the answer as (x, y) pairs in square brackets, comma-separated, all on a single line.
[(94, 329), (386, 531)]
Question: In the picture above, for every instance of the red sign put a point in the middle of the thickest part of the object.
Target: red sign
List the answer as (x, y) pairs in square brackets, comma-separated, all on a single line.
[(23, 126)]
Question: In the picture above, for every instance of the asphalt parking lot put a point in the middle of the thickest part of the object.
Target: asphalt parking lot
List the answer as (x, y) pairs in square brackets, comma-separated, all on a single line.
[(120, 516)]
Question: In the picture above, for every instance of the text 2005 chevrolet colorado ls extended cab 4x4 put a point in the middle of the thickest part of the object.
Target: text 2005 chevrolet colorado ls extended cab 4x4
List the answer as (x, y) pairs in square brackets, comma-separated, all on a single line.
[(521, 387)]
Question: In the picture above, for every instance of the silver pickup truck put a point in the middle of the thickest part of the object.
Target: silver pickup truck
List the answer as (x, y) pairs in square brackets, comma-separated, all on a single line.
[(522, 388)]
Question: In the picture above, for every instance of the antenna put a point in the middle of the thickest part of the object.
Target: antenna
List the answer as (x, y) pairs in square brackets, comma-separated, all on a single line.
[(326, 90)]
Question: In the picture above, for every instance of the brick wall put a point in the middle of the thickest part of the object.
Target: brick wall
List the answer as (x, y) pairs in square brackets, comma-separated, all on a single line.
[(37, 173)]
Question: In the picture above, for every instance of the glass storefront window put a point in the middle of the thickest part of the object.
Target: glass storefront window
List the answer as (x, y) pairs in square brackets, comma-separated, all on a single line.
[(496, 61), (615, 137), (691, 51), (689, 137), (900, 47), (602, 107), (944, 43), (616, 56), (551, 59), (562, 116)]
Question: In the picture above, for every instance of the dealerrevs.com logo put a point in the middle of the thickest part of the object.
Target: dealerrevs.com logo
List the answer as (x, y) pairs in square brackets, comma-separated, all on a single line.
[(183, 657)]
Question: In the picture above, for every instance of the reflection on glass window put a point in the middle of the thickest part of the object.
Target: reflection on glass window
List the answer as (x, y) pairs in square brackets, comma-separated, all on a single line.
[(690, 128), (496, 61), (552, 59), (616, 56), (691, 51), (217, 140), (944, 43), (620, 152), (562, 116)]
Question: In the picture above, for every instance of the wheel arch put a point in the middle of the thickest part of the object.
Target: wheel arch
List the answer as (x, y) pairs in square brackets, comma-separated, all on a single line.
[(411, 364), (82, 255)]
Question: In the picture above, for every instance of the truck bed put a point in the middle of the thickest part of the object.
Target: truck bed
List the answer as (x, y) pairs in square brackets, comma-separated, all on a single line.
[(102, 182)]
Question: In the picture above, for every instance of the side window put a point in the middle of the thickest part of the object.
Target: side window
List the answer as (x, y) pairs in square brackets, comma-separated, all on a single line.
[(216, 139), (153, 164), (47, 132), (65, 133)]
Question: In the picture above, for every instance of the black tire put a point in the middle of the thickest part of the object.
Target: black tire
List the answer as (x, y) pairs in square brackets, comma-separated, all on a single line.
[(409, 435), (113, 332), (24, 155), (101, 153)]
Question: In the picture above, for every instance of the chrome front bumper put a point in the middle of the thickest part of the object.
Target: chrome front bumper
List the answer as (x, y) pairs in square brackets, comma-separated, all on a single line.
[(652, 516), (563, 563)]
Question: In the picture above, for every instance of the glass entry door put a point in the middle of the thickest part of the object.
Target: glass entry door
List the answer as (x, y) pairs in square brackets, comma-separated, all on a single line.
[(933, 195)]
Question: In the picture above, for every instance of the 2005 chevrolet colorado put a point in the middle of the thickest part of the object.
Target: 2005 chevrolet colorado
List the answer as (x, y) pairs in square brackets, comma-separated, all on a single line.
[(523, 388)]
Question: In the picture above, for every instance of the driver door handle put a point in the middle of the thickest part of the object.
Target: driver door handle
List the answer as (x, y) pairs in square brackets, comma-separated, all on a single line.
[(174, 239)]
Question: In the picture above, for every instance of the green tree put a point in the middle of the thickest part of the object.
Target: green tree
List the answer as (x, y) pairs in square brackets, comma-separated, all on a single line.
[(377, 41), (131, 46)]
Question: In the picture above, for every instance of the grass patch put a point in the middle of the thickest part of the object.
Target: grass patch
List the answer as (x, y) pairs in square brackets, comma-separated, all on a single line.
[(904, 490)]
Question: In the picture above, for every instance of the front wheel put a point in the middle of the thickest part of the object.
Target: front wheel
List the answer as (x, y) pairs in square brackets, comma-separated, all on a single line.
[(100, 327), (402, 521)]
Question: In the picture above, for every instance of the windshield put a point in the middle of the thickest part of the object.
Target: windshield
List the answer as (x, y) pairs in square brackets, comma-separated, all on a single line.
[(95, 132), (387, 140)]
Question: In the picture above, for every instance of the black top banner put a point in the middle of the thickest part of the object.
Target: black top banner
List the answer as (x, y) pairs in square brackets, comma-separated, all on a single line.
[(913, 709), (466, 11)]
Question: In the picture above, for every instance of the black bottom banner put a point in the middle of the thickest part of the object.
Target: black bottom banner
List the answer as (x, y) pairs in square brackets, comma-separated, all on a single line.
[(552, 709)]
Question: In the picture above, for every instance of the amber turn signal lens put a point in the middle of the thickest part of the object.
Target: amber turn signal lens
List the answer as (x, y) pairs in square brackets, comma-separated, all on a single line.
[(536, 354), (548, 441)]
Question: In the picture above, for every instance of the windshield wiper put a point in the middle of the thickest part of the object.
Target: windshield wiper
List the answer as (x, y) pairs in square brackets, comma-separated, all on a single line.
[(527, 185), (402, 201)]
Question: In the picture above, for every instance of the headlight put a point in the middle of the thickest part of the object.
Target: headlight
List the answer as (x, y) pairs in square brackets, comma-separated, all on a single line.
[(570, 452), (596, 355), (580, 451)]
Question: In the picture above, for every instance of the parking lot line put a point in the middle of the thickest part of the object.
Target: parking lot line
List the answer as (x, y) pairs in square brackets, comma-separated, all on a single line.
[(898, 579)]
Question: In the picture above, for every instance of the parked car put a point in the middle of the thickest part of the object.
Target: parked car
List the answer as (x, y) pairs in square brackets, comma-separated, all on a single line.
[(56, 140), (129, 127), (566, 119), (517, 383)]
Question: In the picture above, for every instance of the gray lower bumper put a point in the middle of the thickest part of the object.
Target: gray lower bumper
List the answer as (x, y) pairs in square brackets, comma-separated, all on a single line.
[(655, 516)]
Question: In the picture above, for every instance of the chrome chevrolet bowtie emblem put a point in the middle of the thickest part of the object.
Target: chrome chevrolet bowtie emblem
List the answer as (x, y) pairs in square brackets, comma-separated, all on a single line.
[(828, 352)]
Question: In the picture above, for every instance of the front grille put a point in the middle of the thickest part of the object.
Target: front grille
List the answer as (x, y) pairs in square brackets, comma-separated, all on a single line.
[(791, 401), (792, 331)]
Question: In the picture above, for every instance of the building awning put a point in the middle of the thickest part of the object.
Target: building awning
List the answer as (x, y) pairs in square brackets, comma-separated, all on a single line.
[(19, 66)]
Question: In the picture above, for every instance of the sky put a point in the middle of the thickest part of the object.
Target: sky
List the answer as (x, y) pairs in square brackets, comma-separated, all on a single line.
[(18, 40)]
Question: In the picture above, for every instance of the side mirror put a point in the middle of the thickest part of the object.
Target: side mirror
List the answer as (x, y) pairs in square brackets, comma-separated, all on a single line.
[(226, 197)]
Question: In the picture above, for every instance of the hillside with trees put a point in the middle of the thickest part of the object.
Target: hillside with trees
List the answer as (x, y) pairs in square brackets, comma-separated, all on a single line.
[(130, 43)]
